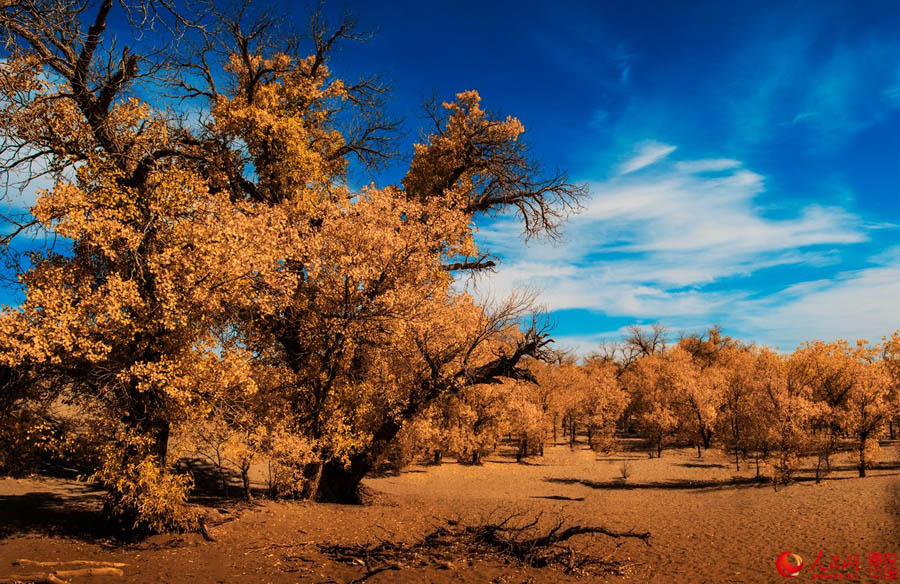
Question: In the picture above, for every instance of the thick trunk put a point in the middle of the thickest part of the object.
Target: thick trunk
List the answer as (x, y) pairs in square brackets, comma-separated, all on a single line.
[(438, 456), (312, 477), (341, 484)]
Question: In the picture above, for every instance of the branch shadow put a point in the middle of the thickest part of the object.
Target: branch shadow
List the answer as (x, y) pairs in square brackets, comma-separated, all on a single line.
[(734, 483), (854, 467), (557, 497), (702, 465)]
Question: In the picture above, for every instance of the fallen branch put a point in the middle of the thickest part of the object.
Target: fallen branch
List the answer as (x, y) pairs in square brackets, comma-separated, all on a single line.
[(88, 572), (204, 531), (46, 578), (514, 538), (83, 563)]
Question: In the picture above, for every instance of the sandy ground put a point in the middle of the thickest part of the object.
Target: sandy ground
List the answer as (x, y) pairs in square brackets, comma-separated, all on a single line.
[(708, 522)]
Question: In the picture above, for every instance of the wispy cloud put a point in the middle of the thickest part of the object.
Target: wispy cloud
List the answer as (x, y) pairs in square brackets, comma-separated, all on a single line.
[(707, 165), (648, 153), (660, 246), (854, 304)]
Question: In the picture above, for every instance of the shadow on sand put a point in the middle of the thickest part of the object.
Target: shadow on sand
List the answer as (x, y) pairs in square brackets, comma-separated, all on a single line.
[(734, 483), (557, 497), (702, 465), (76, 513)]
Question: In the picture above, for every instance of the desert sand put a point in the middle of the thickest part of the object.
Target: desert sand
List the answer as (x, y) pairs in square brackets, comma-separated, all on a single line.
[(708, 522)]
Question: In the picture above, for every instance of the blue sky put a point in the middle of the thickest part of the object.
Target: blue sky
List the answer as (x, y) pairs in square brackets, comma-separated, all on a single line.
[(741, 156)]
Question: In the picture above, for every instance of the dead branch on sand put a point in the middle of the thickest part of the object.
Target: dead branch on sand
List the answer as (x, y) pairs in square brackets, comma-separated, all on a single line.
[(514, 539), (87, 568), (47, 578)]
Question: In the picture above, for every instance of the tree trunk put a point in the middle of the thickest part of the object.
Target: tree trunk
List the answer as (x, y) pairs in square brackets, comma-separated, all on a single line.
[(863, 463), (312, 478), (223, 478), (340, 484), (245, 478), (659, 447), (438, 456)]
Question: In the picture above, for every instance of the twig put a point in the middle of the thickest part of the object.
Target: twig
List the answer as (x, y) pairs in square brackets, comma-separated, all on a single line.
[(373, 572)]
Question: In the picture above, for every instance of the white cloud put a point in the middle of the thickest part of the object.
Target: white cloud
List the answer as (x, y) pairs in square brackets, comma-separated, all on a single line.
[(647, 247), (855, 304), (648, 153), (707, 165)]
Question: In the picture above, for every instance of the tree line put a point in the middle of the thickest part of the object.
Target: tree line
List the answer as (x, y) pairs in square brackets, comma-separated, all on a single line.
[(760, 406)]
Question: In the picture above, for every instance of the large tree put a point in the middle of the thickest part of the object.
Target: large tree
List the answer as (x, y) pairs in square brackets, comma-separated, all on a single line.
[(216, 246)]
